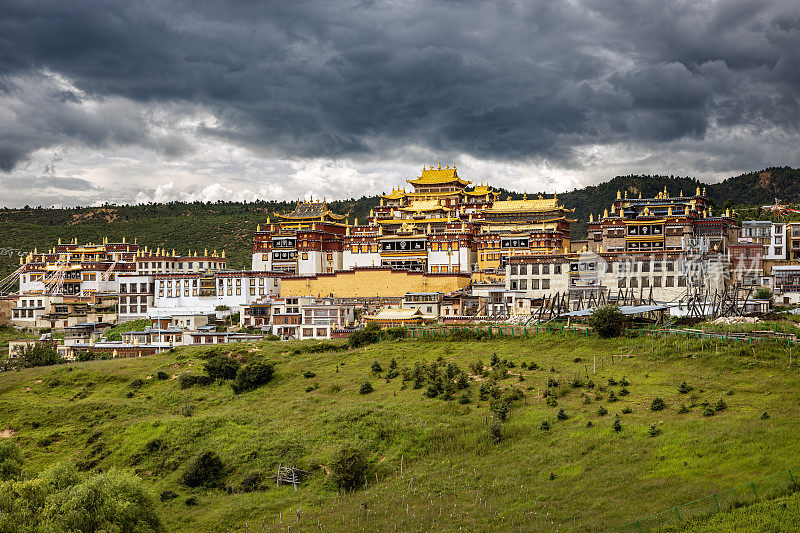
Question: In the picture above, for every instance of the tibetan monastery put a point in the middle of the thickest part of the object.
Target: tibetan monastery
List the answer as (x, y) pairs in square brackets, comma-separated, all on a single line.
[(444, 225), (305, 241), (663, 223)]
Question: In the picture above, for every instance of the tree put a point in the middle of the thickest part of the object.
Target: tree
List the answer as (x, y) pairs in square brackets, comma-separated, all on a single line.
[(764, 294), (607, 321), (39, 354)]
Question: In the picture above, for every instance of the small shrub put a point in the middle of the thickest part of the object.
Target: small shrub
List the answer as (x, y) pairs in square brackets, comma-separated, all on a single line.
[(617, 425), (552, 476), (191, 501), (589, 424), (602, 411), (612, 397), (627, 410), (500, 408), (654, 431), (707, 411), (167, 495), (624, 391), (683, 409), (252, 481), (612, 382), (308, 374), (657, 404), (545, 425), (10, 461), (551, 401), (685, 388), (221, 367), (162, 375), (607, 321), (365, 388), (624, 382), (587, 399), (464, 398), (376, 367), (187, 409), (764, 415), (496, 431), (720, 405), (348, 467), (562, 415), (204, 470), (129, 394), (576, 383), (136, 383), (252, 375), (590, 384), (462, 381)]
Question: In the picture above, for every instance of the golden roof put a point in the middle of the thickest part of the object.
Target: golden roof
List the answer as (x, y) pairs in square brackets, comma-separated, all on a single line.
[(311, 210), (481, 190), (510, 206), (423, 205), (395, 195), (436, 176)]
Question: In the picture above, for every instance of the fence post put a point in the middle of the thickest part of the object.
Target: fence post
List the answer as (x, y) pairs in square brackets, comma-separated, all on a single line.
[(716, 501), (754, 490), (638, 526), (677, 512), (790, 475)]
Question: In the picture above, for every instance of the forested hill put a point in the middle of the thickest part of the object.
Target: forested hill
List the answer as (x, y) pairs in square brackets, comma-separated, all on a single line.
[(230, 225)]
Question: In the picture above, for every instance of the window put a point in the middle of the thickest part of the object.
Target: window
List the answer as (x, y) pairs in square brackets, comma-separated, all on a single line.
[(645, 282), (670, 281), (545, 270), (535, 284), (514, 285), (514, 270), (681, 281), (535, 270), (523, 270), (622, 283), (305, 256), (556, 269), (634, 282), (523, 285), (545, 284), (657, 282)]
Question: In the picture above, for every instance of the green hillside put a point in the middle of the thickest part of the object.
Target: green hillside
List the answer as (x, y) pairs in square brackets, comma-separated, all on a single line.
[(433, 463)]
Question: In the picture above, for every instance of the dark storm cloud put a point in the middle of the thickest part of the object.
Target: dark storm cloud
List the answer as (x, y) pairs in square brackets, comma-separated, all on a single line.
[(518, 80)]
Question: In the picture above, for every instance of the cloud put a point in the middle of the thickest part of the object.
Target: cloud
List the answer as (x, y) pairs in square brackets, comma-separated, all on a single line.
[(344, 89)]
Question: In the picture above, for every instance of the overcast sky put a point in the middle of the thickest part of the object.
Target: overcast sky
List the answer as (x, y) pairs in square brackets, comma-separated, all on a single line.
[(135, 101)]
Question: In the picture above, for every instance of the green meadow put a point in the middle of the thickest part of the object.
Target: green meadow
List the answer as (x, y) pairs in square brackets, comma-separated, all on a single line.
[(437, 460)]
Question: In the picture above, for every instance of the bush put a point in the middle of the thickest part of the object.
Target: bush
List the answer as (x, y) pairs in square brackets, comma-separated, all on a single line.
[(363, 337), (617, 425), (624, 382), (204, 470), (162, 375), (612, 397), (10, 461), (252, 481), (654, 431), (348, 467), (685, 388), (764, 415), (627, 410), (607, 321), (683, 409), (602, 411), (167, 495), (707, 411), (496, 431), (252, 375), (365, 388), (499, 407), (308, 374), (545, 425), (624, 391), (38, 354), (376, 367), (764, 294), (720, 405), (219, 367), (562, 415), (191, 501), (464, 398), (657, 404)]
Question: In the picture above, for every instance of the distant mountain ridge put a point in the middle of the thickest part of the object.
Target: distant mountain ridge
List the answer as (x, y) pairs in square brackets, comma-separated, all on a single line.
[(230, 225)]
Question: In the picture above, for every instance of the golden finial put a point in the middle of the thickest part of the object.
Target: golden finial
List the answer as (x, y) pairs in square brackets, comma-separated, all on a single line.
[(704, 191), (223, 254), (626, 195), (669, 210), (619, 195), (698, 191), (605, 213), (440, 165), (591, 217)]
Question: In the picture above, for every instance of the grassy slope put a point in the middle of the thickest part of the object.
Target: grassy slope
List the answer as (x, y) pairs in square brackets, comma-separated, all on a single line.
[(602, 478)]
